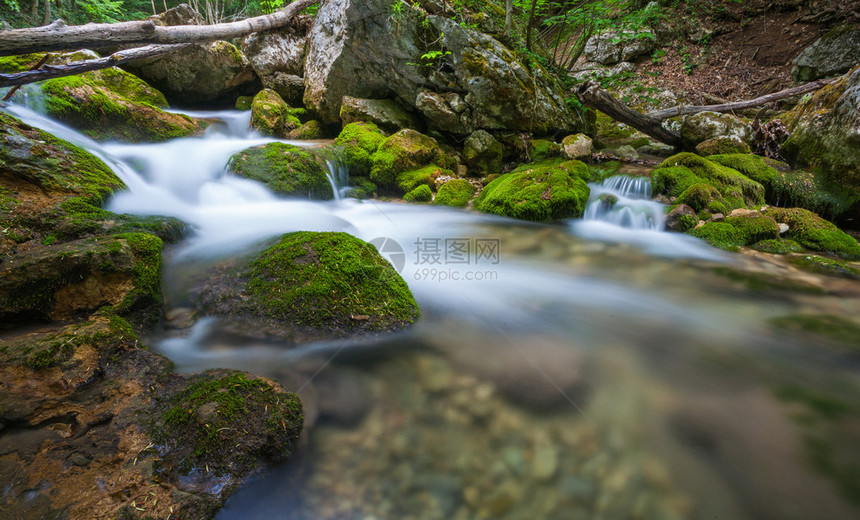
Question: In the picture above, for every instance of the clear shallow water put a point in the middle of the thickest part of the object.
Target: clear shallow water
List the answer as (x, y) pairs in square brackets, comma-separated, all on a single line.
[(576, 370)]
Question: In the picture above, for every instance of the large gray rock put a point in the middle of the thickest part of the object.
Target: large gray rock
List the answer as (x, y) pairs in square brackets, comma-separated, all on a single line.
[(700, 127), (834, 53), (358, 49), (278, 57), (482, 153), (825, 132), (384, 113), (203, 73), (612, 47)]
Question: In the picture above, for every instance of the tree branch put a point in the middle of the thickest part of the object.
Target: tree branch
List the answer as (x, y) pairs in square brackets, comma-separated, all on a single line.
[(58, 36), (78, 67), (591, 94), (739, 105)]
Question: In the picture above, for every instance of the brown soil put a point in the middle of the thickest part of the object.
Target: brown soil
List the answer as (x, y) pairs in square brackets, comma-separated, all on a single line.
[(750, 49)]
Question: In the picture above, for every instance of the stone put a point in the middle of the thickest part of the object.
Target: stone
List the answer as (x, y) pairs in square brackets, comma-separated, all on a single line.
[(384, 113), (440, 112), (702, 126), (834, 53), (205, 73), (624, 151), (356, 50), (783, 228), (278, 57), (722, 145), (612, 47), (270, 115), (681, 218), (290, 87), (284, 169), (482, 153), (577, 146)]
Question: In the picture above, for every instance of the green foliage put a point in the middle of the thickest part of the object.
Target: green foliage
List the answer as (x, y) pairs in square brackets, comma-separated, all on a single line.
[(420, 194), (102, 11)]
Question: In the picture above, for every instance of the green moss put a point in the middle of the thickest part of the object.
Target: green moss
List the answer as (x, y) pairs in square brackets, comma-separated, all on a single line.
[(818, 264), (815, 233), (409, 180), (404, 151), (144, 302), (114, 105), (283, 168), (310, 130), (420, 194), (227, 422), (778, 246), (358, 141), (680, 172), (540, 149), (362, 188), (830, 327), (244, 102), (639, 142), (19, 63), (322, 279), (456, 192), (734, 232), (700, 196), (604, 170), (760, 281), (538, 194)]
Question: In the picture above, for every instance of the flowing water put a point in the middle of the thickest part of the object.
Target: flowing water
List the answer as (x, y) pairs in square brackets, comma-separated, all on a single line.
[(597, 368)]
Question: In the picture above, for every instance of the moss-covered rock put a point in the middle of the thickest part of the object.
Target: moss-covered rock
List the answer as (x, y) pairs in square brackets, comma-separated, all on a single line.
[(815, 233), (540, 149), (244, 102), (828, 266), (456, 192), (384, 113), (283, 168), (678, 173), (541, 193), (784, 186), (207, 422), (778, 246), (358, 141), (738, 231), (411, 179), (404, 151), (422, 193), (270, 115), (362, 188), (112, 104), (702, 126), (575, 146), (314, 286)]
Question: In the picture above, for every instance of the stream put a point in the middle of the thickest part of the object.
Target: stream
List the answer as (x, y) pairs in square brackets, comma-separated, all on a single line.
[(600, 368)]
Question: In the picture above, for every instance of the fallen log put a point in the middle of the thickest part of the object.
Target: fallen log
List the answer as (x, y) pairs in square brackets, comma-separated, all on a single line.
[(592, 95), (58, 36), (58, 71), (682, 110)]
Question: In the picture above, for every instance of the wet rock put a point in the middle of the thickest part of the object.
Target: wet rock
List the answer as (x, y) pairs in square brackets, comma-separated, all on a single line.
[(544, 460), (681, 218), (834, 53), (611, 47), (384, 113), (722, 145), (345, 396), (271, 115), (357, 49), (483, 153), (406, 159), (577, 146)]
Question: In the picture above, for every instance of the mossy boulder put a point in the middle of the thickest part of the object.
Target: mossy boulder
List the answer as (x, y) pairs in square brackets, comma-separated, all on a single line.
[(815, 233), (677, 174), (313, 286), (244, 102), (363, 188), (542, 193), (483, 153), (285, 169), (226, 422), (411, 179), (789, 187), (270, 115), (420, 194), (112, 104), (456, 192), (310, 130), (576, 146), (722, 145), (384, 113), (540, 149), (404, 151), (738, 231), (358, 141)]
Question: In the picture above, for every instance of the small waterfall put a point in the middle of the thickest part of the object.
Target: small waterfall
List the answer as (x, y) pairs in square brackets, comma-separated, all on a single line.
[(338, 177), (625, 202)]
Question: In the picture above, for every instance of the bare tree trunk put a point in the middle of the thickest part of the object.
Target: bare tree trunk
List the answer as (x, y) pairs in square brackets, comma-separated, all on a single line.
[(58, 36), (79, 67), (509, 16), (47, 19), (529, 25), (34, 8)]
